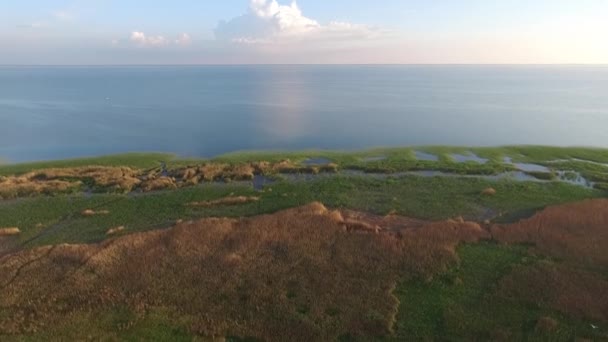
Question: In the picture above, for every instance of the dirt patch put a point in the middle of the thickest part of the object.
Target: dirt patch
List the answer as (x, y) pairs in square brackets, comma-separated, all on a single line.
[(272, 277)]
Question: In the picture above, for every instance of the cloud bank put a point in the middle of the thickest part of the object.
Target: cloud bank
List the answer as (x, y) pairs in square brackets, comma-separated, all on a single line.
[(268, 32), (267, 21)]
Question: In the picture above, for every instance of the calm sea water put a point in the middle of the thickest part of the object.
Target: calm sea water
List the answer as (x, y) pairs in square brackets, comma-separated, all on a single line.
[(59, 112)]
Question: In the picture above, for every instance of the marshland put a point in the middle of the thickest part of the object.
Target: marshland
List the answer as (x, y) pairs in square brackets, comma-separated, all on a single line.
[(455, 239)]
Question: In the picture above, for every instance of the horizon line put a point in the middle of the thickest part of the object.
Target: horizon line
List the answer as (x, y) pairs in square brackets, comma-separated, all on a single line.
[(302, 64)]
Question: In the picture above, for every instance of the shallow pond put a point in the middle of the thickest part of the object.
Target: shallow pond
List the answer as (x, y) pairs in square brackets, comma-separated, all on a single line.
[(463, 158), (316, 161), (527, 167), (425, 156)]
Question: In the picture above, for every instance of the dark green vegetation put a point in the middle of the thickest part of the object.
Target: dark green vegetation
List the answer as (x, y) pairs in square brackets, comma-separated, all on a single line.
[(462, 303)]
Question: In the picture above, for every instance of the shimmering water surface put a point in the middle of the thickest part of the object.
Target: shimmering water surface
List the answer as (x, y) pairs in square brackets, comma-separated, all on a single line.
[(59, 112)]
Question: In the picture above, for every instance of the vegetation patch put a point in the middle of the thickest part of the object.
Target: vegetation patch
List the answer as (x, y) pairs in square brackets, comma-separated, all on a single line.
[(232, 200), (574, 292), (10, 231), (542, 175), (268, 257), (473, 301), (404, 262), (153, 172), (115, 230), (91, 212), (575, 232)]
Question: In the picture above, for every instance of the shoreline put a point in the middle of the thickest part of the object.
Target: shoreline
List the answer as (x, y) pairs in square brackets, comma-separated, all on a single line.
[(587, 167)]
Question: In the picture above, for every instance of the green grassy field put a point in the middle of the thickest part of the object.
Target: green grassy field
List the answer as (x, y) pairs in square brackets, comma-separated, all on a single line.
[(134, 160), (394, 159), (57, 219)]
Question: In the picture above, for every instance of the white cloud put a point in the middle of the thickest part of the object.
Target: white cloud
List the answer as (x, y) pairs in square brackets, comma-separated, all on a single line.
[(184, 39), (267, 21), (140, 39)]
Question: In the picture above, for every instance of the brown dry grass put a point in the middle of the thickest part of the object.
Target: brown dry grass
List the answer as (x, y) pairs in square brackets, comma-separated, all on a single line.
[(575, 232), (210, 172), (161, 183), (296, 275), (124, 179), (546, 324), (13, 187), (51, 181), (576, 235), (116, 230), (12, 231), (91, 212), (224, 201), (489, 192), (119, 178), (564, 288)]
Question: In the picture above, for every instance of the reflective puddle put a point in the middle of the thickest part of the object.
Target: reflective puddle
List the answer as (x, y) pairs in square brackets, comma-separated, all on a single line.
[(471, 157), (316, 161), (426, 156)]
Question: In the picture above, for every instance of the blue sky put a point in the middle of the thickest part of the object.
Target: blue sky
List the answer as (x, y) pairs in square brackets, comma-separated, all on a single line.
[(311, 31)]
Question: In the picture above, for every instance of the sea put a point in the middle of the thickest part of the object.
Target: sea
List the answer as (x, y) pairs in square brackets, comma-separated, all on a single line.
[(58, 112)]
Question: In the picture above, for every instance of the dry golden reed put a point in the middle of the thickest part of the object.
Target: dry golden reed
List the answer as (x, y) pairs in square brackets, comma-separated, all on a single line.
[(272, 277), (10, 231)]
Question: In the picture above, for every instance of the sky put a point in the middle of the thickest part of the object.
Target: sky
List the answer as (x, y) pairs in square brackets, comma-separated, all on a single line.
[(89, 32)]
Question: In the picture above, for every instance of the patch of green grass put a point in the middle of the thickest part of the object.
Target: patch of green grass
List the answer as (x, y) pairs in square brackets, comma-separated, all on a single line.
[(394, 160), (403, 158), (420, 197), (63, 223), (462, 304), (542, 175), (428, 198), (383, 160), (591, 171), (550, 153), (134, 160)]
